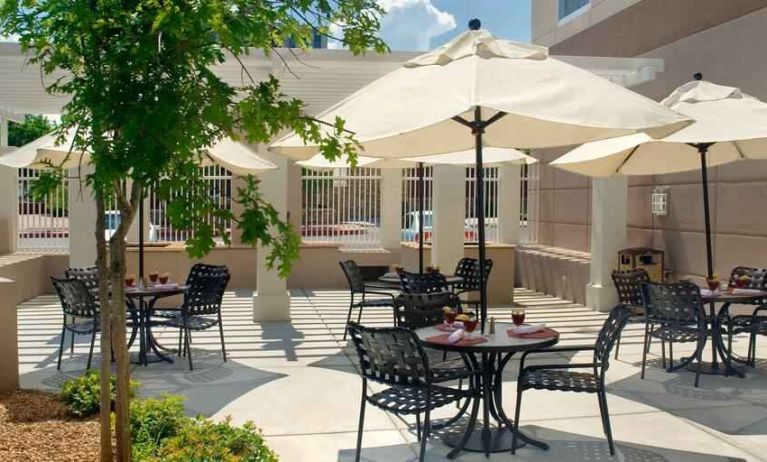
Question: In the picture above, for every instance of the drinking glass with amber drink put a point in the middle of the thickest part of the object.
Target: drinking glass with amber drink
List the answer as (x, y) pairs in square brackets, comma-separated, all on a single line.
[(450, 314), (470, 324), (518, 316)]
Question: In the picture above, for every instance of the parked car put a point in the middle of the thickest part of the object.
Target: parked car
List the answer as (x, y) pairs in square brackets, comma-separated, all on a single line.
[(112, 221), (410, 230)]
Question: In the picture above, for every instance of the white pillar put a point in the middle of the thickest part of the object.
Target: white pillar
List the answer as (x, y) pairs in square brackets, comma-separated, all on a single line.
[(133, 231), (391, 208), (608, 236), (9, 191), (82, 220), (448, 220), (271, 301), (509, 178)]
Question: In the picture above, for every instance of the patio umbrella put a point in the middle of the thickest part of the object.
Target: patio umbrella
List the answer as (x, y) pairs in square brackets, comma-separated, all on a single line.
[(502, 93), (46, 151), (493, 157), (729, 126)]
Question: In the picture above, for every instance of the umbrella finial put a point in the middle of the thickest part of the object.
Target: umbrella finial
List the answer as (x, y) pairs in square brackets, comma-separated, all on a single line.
[(698, 76), (475, 24)]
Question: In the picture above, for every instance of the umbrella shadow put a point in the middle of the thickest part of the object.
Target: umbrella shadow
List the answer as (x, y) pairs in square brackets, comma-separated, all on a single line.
[(731, 405), (564, 447)]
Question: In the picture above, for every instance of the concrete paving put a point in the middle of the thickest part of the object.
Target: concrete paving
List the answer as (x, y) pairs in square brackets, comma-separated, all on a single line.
[(297, 381)]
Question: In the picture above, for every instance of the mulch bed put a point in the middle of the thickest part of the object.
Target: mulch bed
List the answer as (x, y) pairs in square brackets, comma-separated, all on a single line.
[(35, 427)]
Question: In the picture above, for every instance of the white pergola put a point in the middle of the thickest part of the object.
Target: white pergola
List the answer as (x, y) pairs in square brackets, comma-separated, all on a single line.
[(321, 78)]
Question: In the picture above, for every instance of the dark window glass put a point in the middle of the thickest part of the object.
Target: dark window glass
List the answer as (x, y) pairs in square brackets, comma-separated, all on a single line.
[(568, 7)]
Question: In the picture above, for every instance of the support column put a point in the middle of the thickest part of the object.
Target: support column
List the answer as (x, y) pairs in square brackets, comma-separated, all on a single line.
[(9, 190), (509, 182), (82, 220), (608, 236), (449, 216), (238, 182), (271, 301), (391, 208)]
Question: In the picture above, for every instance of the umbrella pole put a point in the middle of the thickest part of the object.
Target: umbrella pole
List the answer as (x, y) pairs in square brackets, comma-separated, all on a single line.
[(421, 202), (141, 239), (478, 130), (703, 150)]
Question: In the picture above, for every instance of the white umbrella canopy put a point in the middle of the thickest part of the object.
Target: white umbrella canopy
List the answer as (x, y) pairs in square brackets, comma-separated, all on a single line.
[(733, 123), (230, 154), (492, 157), (546, 103)]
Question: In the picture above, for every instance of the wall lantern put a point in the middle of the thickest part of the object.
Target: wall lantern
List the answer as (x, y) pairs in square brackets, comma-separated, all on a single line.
[(659, 201)]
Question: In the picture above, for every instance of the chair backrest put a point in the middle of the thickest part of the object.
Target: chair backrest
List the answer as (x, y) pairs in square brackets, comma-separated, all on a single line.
[(422, 283), (423, 310), (675, 304), (76, 299), (353, 276), (89, 275), (207, 284), (609, 334), (468, 270), (629, 285), (758, 281), (391, 355)]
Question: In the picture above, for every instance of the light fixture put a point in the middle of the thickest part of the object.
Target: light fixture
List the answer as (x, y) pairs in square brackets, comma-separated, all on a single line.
[(659, 201)]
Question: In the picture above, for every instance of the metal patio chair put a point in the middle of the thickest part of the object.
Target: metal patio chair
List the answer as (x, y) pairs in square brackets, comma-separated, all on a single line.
[(562, 377), (358, 287), (81, 313), (394, 357), (752, 324), (628, 284)]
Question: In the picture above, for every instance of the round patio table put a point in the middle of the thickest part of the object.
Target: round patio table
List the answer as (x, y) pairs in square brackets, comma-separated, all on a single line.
[(392, 278), (490, 358), (719, 349), (141, 300)]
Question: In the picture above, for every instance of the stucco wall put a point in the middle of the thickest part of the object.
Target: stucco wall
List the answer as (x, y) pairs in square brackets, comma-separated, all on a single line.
[(731, 54)]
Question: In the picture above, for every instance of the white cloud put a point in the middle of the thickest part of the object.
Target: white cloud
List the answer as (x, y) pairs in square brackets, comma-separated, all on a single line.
[(408, 25)]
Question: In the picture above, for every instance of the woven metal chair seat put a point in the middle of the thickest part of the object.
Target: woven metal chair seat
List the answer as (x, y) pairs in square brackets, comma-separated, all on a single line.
[(556, 379), (449, 369), (192, 322), (83, 326), (166, 313), (378, 302), (747, 324), (412, 400), (676, 334)]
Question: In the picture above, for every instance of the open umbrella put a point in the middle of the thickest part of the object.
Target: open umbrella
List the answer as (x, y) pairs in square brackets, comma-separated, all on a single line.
[(729, 126), (493, 157), (502, 93), (46, 151)]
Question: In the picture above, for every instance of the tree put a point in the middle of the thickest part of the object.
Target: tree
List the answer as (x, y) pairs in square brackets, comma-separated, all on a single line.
[(145, 102), (32, 128)]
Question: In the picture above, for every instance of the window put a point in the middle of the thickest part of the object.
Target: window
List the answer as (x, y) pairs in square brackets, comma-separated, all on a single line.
[(569, 7)]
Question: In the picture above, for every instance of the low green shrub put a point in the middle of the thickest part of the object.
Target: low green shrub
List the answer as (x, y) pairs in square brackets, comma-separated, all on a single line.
[(203, 440), (152, 421), (81, 394)]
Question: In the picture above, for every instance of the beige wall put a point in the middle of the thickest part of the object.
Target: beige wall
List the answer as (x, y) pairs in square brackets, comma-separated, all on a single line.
[(729, 53), (32, 273), (9, 346)]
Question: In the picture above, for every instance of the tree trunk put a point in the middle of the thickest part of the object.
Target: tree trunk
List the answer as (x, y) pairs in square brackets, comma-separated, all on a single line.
[(122, 402), (106, 332)]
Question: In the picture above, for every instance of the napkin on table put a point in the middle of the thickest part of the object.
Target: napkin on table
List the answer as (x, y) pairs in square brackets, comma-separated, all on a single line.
[(455, 336), (529, 329)]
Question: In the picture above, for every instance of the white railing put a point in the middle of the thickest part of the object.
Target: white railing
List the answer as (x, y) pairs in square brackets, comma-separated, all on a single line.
[(219, 184), (342, 206), (529, 203), (471, 232), (43, 226), (410, 204)]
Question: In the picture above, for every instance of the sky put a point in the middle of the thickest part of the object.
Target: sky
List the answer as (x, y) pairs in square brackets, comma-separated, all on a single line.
[(419, 25)]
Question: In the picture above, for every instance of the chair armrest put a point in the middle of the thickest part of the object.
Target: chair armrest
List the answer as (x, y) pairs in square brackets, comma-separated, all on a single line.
[(378, 292), (758, 309), (554, 350), (559, 366)]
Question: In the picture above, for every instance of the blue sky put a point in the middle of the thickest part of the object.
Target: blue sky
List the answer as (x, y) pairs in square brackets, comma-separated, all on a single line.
[(413, 25)]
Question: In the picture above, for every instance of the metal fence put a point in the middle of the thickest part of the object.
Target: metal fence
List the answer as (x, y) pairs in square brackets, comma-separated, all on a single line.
[(43, 226), (410, 204), (471, 231), (529, 203), (343, 206), (218, 182)]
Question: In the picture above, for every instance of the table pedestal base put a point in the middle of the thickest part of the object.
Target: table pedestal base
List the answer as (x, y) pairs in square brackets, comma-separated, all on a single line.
[(500, 440)]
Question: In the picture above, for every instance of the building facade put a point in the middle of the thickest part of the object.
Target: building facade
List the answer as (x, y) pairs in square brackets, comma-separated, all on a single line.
[(725, 41)]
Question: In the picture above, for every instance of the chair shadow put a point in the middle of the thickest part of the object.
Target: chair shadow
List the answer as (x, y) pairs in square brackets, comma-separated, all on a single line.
[(731, 405), (564, 447), (287, 336)]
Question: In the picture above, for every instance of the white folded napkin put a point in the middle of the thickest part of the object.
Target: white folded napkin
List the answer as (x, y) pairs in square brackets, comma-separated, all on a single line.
[(455, 336), (169, 285), (529, 329), (746, 291), (706, 292)]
